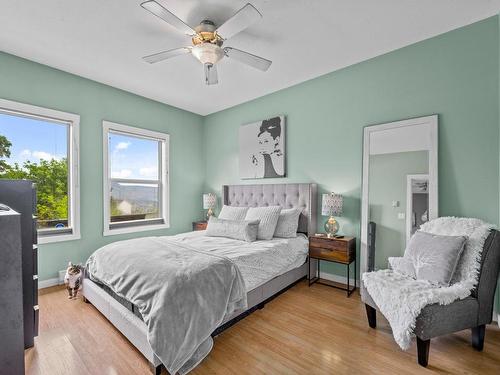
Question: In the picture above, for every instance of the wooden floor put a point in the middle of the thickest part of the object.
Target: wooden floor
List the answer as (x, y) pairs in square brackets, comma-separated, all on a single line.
[(314, 330)]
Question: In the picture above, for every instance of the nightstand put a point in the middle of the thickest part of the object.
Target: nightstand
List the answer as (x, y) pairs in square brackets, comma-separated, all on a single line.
[(337, 250), (199, 225)]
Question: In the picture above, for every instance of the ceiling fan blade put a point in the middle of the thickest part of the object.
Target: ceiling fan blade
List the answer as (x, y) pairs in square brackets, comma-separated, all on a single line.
[(240, 21), (210, 74), (160, 56), (247, 58), (167, 16)]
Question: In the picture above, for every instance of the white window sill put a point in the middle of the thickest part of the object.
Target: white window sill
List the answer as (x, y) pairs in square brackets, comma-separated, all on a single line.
[(139, 228), (58, 238)]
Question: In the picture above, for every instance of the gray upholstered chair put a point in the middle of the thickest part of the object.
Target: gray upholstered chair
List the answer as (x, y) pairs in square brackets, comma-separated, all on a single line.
[(473, 312)]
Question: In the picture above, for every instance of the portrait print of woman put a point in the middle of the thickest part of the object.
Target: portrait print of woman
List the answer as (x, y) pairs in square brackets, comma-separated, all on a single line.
[(262, 149)]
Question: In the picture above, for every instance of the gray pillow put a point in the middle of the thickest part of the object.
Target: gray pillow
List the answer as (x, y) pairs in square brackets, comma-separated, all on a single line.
[(233, 213), (288, 222), (268, 217), (402, 265), (244, 230), (435, 257)]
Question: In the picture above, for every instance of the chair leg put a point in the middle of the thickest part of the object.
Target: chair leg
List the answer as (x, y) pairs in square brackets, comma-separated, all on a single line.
[(478, 337), (423, 351), (371, 314)]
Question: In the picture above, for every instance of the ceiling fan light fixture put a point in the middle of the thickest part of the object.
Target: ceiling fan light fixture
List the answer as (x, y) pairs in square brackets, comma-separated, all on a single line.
[(208, 53)]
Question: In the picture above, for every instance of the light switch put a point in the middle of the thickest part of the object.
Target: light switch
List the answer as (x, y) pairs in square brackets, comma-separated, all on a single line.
[(401, 215), (395, 204)]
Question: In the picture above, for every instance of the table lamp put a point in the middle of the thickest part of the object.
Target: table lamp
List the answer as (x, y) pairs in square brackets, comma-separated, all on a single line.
[(332, 205), (209, 203)]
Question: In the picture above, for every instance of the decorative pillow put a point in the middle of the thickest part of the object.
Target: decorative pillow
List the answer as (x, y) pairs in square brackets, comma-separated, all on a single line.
[(268, 217), (435, 257), (288, 222), (233, 213), (402, 265), (244, 230)]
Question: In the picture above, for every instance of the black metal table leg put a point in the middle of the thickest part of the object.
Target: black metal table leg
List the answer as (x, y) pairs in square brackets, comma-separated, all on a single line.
[(309, 272), (355, 275), (348, 287)]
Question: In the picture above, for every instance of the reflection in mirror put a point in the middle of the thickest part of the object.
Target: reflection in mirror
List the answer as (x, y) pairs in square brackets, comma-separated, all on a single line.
[(388, 197), (417, 202), (399, 186)]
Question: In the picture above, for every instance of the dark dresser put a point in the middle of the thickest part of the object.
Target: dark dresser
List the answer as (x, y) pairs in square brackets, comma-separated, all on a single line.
[(20, 196), (11, 294)]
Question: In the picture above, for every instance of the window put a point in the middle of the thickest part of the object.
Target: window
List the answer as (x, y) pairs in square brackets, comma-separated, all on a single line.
[(135, 179), (41, 145)]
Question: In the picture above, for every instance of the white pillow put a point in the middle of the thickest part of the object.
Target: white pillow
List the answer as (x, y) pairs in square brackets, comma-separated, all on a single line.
[(236, 229), (288, 222), (268, 217), (233, 213)]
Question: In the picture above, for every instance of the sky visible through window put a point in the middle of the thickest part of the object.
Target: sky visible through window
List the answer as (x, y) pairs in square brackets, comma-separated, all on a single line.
[(33, 139), (133, 157), (38, 152)]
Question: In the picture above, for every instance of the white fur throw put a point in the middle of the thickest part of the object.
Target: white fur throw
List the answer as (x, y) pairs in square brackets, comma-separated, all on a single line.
[(401, 298)]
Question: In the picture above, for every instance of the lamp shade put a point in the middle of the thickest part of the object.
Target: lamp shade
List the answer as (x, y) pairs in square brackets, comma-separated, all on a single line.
[(209, 201), (332, 204)]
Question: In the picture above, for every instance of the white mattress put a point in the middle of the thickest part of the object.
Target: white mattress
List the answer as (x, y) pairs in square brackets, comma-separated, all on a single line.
[(258, 261)]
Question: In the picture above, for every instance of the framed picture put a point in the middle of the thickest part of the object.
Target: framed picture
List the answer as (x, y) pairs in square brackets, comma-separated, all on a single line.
[(262, 149)]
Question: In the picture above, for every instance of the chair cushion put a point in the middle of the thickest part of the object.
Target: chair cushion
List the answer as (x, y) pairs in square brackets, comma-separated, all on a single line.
[(435, 257)]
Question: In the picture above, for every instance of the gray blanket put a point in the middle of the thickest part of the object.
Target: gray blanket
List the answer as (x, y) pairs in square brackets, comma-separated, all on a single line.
[(183, 293)]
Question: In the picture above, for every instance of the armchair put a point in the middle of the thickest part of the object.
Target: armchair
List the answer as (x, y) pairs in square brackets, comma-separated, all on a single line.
[(473, 312)]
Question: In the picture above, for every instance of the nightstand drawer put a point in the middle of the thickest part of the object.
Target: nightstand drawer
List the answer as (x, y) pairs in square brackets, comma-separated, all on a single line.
[(327, 254), (199, 225), (331, 244)]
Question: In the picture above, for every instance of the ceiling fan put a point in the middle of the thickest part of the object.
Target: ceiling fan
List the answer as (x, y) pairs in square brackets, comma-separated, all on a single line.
[(208, 39)]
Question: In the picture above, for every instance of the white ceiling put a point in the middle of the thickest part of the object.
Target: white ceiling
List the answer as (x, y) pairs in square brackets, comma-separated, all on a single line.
[(104, 40)]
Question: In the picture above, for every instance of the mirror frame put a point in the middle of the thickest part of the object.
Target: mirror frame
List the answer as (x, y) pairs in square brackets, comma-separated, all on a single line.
[(432, 123)]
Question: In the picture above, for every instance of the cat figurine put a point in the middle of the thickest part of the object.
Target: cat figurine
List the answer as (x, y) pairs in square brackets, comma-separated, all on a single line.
[(73, 279)]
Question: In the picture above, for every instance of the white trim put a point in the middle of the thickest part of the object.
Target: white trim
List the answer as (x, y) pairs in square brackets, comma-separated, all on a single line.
[(337, 278), (73, 122), (164, 184), (48, 283), (138, 228), (432, 123), (409, 201)]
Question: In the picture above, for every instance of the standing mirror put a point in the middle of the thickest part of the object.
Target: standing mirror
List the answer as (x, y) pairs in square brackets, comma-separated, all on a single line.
[(400, 186)]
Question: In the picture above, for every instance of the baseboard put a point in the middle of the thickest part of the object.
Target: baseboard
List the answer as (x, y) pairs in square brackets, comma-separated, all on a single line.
[(48, 283), (336, 278)]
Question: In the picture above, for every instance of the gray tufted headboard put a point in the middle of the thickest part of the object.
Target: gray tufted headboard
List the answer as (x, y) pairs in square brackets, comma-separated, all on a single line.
[(284, 195)]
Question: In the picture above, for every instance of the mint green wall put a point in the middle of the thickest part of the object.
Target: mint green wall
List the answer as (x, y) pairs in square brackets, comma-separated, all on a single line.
[(388, 183), (454, 75), (28, 82)]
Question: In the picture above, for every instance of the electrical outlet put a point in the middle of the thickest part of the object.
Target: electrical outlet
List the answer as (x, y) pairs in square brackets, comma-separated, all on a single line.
[(401, 215)]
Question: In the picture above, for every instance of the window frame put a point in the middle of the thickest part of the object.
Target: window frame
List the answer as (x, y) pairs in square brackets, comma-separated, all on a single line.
[(73, 143), (134, 226)]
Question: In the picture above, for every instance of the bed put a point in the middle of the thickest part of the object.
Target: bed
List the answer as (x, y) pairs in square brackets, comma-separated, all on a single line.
[(271, 278)]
